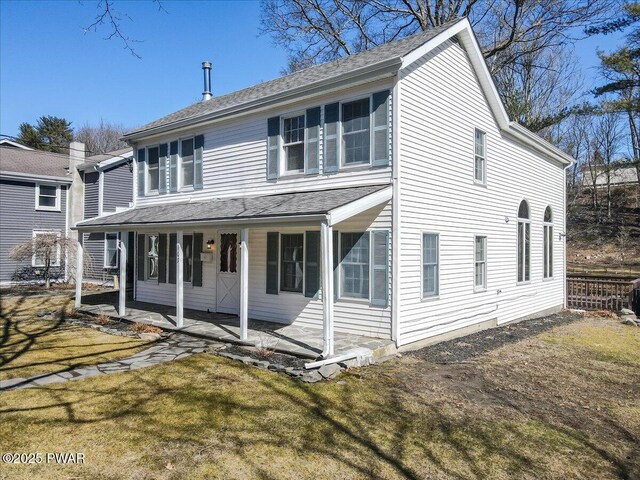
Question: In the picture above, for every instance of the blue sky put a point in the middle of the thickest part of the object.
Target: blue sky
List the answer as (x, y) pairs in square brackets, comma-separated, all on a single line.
[(48, 66)]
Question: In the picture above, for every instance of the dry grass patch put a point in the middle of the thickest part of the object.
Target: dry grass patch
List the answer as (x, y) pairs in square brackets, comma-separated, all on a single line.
[(544, 408), (145, 328), (35, 346)]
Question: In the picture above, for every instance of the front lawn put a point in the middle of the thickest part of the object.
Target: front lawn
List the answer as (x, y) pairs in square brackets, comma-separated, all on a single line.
[(34, 346), (561, 404)]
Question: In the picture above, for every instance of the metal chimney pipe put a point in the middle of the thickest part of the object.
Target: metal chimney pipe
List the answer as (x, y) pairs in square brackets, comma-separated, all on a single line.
[(206, 69)]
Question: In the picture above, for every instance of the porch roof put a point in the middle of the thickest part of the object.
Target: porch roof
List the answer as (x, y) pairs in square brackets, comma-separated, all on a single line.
[(314, 205)]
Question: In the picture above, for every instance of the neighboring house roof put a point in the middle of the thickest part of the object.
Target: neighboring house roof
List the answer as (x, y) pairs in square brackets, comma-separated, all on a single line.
[(5, 142), (301, 204), (380, 55), (106, 160), (34, 164)]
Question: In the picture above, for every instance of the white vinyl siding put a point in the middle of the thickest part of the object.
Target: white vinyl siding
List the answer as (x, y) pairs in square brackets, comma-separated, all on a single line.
[(441, 105)]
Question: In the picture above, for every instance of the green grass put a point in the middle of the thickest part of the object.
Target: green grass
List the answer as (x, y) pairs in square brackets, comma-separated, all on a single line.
[(534, 410)]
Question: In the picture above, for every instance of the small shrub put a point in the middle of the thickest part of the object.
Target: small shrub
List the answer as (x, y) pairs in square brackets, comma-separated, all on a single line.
[(600, 313), (144, 328), (72, 313), (102, 319), (264, 350)]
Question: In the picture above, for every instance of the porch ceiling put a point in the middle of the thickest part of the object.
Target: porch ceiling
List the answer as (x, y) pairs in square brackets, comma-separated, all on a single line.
[(315, 205)]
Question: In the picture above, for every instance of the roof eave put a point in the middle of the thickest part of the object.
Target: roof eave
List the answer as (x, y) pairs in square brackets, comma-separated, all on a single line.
[(20, 176), (390, 66)]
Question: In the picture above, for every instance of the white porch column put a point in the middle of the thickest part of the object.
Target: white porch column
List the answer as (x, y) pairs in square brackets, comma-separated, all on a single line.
[(326, 248), (244, 283), (179, 280), (123, 274), (79, 269)]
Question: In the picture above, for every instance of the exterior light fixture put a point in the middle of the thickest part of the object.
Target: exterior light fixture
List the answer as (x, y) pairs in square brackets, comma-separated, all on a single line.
[(211, 245)]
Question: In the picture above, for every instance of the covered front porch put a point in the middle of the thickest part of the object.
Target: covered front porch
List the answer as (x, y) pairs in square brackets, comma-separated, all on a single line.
[(272, 295), (298, 340)]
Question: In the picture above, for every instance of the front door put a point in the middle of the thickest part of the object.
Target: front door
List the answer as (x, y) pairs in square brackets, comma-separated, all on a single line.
[(228, 283)]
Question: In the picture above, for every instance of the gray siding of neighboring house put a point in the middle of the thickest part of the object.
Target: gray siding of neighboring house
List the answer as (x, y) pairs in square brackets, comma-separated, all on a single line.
[(94, 252), (18, 220), (118, 188), (91, 194)]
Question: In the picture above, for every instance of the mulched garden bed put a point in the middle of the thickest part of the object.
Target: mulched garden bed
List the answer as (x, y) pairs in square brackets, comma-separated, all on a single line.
[(271, 357), (466, 348)]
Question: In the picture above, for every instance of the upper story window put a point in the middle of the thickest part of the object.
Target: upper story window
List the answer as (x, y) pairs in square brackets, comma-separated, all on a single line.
[(153, 164), (524, 242), (356, 132), (548, 243), (293, 143), (480, 165), (186, 160), (47, 197)]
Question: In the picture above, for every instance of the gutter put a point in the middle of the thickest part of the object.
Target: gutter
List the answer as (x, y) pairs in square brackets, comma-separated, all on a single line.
[(540, 144), (27, 176), (387, 67)]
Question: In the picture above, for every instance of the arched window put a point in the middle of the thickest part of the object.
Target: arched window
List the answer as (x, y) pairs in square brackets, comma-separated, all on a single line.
[(524, 242), (548, 243)]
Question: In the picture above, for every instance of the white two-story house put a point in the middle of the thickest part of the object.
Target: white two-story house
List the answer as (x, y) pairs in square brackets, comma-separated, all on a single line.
[(386, 194)]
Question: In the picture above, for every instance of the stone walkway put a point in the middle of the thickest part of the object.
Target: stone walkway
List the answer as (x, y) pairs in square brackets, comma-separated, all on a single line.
[(173, 348)]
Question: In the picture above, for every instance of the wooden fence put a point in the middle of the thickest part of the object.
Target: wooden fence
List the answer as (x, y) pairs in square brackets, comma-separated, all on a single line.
[(603, 293)]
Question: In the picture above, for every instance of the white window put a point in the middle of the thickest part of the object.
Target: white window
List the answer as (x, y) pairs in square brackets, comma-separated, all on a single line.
[(356, 132), (110, 250), (152, 256), (524, 243), (293, 143), (291, 262), (153, 174), (480, 261), (47, 197), (186, 159), (46, 246), (430, 265), (480, 165), (354, 265), (548, 243)]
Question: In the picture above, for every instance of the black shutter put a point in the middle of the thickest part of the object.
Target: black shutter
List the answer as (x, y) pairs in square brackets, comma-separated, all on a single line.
[(173, 245), (197, 262), (162, 167), (312, 264), (336, 263), (272, 262), (141, 171), (162, 258), (331, 117), (140, 259), (273, 148)]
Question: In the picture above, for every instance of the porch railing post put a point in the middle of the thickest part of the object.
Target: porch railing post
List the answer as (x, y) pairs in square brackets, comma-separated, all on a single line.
[(326, 247), (179, 279), (244, 283), (123, 274), (79, 270)]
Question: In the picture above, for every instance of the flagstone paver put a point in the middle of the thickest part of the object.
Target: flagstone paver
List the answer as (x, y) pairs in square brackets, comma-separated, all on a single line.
[(174, 348)]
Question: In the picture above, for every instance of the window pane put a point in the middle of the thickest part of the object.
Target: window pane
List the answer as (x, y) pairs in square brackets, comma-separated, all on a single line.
[(355, 264), (152, 178), (479, 169), (527, 250), (293, 137), (187, 264), (430, 265), (228, 252), (356, 140), (47, 201), (112, 250), (523, 210), (152, 256), (48, 190), (291, 257), (295, 157), (480, 143)]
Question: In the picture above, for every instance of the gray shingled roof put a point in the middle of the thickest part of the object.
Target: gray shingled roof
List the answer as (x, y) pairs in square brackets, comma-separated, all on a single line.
[(33, 162), (302, 78), (282, 205)]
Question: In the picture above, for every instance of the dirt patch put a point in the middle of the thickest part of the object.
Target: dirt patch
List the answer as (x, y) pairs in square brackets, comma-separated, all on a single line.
[(471, 346), (272, 357)]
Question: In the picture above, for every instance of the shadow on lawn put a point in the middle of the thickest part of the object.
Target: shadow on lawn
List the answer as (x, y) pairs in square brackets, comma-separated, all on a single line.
[(356, 427)]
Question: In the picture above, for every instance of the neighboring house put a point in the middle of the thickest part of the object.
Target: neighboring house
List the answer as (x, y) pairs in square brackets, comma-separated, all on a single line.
[(108, 187), (622, 173), (5, 142), (34, 196), (386, 194)]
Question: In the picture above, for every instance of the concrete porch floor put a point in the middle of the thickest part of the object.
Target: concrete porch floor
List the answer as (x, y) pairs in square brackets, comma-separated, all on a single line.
[(297, 340)]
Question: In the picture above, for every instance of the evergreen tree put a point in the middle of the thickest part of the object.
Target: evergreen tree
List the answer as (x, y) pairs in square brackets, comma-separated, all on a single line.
[(52, 134)]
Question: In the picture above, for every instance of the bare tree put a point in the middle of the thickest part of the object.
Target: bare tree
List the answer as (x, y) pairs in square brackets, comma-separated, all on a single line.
[(101, 138), (49, 251), (607, 137)]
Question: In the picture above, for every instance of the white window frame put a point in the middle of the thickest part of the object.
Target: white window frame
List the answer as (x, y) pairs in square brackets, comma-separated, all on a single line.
[(483, 262), (283, 151), (482, 181), (106, 250), (341, 153), (56, 207), (181, 186), (304, 261), (547, 247), (34, 234), (340, 280), (436, 294), (147, 191), (525, 267)]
